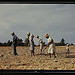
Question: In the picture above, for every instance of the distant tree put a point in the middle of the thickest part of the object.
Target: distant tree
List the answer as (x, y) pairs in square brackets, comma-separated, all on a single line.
[(1, 44), (71, 43), (4, 44), (57, 44), (62, 42), (19, 42), (9, 43), (66, 43)]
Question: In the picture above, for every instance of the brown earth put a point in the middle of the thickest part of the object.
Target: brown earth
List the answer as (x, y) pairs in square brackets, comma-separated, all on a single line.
[(40, 62)]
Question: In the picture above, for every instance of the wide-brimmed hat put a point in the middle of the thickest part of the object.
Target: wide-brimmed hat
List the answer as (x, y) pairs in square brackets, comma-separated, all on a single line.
[(28, 33), (37, 36), (68, 44), (12, 33), (46, 35)]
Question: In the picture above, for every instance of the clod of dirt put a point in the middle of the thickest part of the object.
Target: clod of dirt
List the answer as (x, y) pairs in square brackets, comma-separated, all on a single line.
[(1, 55), (55, 60), (55, 68), (72, 62)]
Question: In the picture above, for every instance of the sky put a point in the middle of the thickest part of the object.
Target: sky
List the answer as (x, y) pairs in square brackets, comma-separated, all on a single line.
[(57, 20)]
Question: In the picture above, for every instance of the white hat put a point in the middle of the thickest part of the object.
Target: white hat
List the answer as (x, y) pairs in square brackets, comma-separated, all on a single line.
[(68, 44), (37, 36), (28, 33)]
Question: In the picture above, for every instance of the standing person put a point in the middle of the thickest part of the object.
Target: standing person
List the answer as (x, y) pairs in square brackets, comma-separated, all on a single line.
[(41, 43), (51, 45), (67, 49), (14, 43), (31, 44), (28, 34), (27, 39)]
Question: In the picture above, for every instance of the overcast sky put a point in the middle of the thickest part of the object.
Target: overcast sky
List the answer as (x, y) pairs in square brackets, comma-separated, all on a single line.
[(58, 20)]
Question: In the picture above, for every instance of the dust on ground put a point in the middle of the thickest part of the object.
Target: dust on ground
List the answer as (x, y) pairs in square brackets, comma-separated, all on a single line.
[(24, 61)]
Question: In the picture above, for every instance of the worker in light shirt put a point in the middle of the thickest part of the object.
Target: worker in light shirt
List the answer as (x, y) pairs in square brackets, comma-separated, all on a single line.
[(67, 49), (41, 42), (51, 50), (31, 44)]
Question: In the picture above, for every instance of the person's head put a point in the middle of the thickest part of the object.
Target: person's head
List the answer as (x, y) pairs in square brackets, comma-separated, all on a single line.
[(47, 36), (28, 33), (32, 36), (68, 45), (12, 33), (37, 36)]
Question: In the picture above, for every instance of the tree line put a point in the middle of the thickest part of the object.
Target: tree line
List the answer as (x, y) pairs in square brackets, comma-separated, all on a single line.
[(25, 43)]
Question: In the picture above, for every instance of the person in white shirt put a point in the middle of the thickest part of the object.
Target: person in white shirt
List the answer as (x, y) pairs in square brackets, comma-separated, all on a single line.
[(31, 44), (51, 50), (41, 42), (14, 43), (67, 49)]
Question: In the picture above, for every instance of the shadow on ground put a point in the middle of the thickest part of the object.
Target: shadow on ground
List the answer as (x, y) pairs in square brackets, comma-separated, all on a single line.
[(70, 56), (64, 53), (41, 54)]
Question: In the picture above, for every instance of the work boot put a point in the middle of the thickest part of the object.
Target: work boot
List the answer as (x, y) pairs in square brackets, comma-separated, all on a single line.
[(16, 55), (54, 56)]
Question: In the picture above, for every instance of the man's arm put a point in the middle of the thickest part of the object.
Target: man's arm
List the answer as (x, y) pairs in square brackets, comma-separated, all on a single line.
[(31, 39), (50, 42)]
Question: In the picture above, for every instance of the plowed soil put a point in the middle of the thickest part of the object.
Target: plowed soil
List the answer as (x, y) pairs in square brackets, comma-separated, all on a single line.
[(24, 61)]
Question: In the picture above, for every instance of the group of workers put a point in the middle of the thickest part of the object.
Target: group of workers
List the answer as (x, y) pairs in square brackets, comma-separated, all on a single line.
[(50, 44)]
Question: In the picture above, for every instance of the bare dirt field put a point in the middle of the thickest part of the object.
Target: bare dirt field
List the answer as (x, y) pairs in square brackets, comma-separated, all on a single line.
[(40, 62)]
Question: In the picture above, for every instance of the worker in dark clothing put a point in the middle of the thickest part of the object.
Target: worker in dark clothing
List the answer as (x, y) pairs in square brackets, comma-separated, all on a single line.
[(14, 43)]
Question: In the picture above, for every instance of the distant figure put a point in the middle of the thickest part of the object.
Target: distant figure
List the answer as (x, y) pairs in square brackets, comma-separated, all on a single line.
[(67, 49), (31, 44), (28, 35), (51, 45), (41, 43), (14, 43)]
